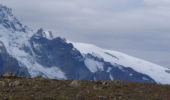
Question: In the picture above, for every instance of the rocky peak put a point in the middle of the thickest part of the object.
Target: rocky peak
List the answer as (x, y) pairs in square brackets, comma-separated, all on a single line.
[(8, 20), (5, 11), (46, 34)]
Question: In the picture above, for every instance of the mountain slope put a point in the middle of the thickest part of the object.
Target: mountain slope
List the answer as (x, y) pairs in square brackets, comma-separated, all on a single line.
[(41, 54), (156, 72)]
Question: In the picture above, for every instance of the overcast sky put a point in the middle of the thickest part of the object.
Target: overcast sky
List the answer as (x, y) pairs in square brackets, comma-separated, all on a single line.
[(137, 27)]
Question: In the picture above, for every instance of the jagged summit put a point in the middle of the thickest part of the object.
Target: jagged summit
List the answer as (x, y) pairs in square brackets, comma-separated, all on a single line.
[(5, 11), (8, 20), (46, 34)]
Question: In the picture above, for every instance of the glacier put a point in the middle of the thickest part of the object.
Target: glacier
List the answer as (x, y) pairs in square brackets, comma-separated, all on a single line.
[(155, 71)]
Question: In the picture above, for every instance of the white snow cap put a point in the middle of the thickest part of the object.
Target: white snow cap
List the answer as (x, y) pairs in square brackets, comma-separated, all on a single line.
[(158, 73)]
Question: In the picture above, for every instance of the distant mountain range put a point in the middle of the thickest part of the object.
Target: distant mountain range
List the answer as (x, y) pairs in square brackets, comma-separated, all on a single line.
[(29, 53)]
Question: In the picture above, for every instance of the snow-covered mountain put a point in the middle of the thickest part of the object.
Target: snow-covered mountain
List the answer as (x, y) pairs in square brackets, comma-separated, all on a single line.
[(28, 53)]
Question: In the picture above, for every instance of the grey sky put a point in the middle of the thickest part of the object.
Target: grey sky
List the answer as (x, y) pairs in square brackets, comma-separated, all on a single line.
[(137, 27)]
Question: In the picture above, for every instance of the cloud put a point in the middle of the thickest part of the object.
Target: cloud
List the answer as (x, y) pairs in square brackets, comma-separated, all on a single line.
[(157, 2)]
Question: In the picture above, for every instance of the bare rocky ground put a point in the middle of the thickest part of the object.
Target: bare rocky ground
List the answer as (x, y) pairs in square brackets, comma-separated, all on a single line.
[(18, 88)]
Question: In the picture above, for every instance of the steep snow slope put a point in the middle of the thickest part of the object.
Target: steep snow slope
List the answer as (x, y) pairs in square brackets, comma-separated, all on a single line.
[(16, 43), (15, 37), (158, 73)]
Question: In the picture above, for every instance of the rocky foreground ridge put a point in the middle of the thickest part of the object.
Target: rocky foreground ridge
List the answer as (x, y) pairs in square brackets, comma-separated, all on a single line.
[(19, 88)]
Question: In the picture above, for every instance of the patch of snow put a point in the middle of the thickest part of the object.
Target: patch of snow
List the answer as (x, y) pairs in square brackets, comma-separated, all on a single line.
[(93, 65), (47, 34), (109, 69), (130, 74), (35, 68), (111, 77), (144, 78), (95, 79)]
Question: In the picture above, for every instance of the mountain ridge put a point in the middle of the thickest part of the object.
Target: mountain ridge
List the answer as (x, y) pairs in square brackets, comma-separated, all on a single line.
[(21, 88), (41, 54)]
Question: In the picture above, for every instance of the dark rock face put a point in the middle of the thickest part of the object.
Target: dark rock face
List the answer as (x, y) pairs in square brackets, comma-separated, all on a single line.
[(57, 52), (128, 74), (10, 64), (118, 72)]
